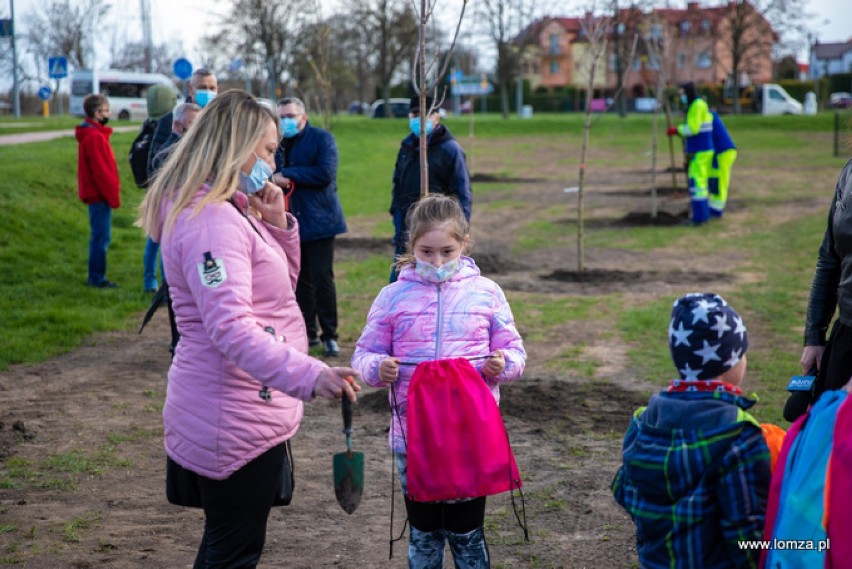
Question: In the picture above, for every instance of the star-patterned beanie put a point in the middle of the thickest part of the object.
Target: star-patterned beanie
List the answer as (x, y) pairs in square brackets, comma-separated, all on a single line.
[(706, 336)]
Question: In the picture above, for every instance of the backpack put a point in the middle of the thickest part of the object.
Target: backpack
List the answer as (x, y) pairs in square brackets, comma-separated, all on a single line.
[(139, 151), (810, 482)]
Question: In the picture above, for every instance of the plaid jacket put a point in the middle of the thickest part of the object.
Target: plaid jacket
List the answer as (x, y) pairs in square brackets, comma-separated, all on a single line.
[(695, 479)]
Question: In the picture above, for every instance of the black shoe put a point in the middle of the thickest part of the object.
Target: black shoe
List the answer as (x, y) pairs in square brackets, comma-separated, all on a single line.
[(314, 342), (105, 284), (330, 348)]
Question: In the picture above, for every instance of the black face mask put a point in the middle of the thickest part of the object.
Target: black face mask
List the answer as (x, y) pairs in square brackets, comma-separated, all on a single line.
[(103, 120)]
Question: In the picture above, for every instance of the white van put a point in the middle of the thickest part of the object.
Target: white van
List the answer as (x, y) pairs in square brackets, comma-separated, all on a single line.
[(774, 100), (127, 91)]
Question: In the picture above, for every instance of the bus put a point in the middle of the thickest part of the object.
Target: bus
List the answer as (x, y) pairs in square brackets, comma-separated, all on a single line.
[(126, 90)]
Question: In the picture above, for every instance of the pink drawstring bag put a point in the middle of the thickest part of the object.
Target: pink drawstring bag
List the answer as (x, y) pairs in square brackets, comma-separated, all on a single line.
[(457, 444)]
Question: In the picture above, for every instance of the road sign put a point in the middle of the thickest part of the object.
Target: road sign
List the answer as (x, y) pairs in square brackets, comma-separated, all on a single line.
[(473, 88), (7, 28), (182, 68), (57, 67), (44, 93)]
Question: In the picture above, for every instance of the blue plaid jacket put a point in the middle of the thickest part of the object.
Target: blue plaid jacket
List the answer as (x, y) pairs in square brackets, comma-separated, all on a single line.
[(695, 479)]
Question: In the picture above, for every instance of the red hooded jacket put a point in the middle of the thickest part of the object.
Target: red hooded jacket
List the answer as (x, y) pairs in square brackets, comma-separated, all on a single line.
[(97, 173)]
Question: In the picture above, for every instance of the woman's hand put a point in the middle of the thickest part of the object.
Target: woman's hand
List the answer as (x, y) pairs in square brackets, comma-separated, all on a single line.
[(811, 356), (336, 382), (389, 370), (494, 365), (269, 203)]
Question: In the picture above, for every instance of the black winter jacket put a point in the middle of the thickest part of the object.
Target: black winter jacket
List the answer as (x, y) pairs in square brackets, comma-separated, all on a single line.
[(832, 284), (447, 171)]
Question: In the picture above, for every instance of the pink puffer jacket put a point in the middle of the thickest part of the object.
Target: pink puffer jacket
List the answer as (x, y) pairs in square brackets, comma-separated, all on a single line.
[(415, 320), (232, 281)]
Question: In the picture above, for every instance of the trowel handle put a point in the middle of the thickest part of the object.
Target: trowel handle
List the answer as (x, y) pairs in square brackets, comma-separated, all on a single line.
[(347, 415)]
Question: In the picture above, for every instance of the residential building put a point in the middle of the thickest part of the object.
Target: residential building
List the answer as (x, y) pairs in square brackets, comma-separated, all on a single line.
[(695, 44), (830, 58)]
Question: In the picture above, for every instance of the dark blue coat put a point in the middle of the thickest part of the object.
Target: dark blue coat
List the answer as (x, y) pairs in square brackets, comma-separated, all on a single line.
[(447, 171), (310, 160)]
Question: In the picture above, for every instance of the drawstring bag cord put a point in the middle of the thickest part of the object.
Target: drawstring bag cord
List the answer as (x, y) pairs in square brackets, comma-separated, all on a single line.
[(521, 523), (520, 518), (393, 475)]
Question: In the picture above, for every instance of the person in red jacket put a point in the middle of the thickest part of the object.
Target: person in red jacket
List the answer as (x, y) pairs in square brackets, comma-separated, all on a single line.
[(97, 181)]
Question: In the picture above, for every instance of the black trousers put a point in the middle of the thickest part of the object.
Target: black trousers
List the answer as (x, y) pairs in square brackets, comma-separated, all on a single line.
[(836, 364), (457, 517), (236, 511), (315, 291)]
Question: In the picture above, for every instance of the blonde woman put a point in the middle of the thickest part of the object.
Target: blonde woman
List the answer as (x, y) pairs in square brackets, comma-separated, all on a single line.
[(240, 371)]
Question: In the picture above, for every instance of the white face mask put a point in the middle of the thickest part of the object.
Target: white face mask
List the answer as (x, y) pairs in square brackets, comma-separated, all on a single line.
[(433, 274)]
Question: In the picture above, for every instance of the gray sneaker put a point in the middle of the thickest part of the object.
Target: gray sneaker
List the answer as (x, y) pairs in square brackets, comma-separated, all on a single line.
[(330, 348)]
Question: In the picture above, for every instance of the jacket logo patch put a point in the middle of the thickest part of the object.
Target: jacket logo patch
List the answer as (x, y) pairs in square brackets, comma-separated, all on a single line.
[(212, 271)]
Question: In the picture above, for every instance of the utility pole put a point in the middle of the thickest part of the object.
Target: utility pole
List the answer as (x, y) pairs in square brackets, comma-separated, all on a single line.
[(147, 39), (15, 87)]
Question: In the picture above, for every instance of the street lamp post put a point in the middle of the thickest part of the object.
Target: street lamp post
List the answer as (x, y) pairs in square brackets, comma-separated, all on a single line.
[(16, 96)]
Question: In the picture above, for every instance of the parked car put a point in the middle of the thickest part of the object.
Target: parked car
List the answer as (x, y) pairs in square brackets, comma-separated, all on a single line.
[(840, 100), (358, 108), (398, 107)]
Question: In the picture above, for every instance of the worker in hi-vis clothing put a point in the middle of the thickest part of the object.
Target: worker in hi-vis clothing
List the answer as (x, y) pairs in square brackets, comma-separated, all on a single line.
[(698, 131), (724, 156)]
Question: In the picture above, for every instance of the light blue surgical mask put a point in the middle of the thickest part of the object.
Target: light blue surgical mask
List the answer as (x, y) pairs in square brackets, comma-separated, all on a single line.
[(254, 181), (414, 124), (433, 274), (684, 100), (202, 97), (288, 127)]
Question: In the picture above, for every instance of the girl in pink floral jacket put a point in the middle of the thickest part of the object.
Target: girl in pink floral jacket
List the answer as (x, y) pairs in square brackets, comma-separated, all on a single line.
[(440, 307)]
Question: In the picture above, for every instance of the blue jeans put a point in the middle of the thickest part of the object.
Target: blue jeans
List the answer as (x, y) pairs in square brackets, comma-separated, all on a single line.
[(400, 237), (149, 262), (100, 221)]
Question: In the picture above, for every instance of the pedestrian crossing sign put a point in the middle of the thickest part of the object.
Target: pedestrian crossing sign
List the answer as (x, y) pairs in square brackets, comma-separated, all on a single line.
[(57, 67)]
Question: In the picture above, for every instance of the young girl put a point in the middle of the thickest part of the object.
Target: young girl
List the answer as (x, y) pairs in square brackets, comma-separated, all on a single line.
[(439, 308)]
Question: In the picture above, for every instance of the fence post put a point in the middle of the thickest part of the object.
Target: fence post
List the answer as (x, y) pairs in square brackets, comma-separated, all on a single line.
[(836, 134)]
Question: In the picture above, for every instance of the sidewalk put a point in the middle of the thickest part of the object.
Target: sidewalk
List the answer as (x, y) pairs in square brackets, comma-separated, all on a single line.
[(25, 137)]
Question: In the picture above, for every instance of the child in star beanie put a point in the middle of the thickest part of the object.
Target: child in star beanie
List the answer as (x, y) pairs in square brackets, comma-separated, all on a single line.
[(706, 336), (695, 467)]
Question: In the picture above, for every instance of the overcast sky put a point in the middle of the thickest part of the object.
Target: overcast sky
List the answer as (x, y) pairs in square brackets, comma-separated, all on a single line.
[(187, 20)]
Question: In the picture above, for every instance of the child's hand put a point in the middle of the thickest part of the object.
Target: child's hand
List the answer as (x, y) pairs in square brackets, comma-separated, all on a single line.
[(495, 365), (389, 370)]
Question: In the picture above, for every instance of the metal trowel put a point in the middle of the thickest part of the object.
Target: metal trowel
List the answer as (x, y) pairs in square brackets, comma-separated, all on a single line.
[(348, 467)]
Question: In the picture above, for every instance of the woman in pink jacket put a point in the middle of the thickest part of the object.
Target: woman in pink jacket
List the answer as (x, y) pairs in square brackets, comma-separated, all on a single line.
[(439, 308), (240, 371)]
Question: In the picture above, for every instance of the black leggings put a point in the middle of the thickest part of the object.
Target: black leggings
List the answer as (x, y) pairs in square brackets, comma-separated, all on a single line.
[(457, 517), (836, 363), (235, 513)]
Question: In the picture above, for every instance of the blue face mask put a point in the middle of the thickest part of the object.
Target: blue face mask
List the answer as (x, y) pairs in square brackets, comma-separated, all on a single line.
[(202, 97), (288, 127), (433, 274), (254, 181), (414, 124), (684, 100)]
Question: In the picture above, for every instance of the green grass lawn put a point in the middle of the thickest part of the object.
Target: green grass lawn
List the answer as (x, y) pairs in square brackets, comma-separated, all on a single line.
[(46, 309)]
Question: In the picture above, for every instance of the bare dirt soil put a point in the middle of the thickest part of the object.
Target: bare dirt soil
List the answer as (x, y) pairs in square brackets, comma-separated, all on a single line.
[(102, 403)]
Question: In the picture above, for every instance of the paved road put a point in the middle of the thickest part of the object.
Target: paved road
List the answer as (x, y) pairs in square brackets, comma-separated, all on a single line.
[(25, 137)]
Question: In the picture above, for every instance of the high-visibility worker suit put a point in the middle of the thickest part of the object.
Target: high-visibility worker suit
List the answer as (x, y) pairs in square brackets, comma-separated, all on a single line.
[(725, 154), (698, 131)]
